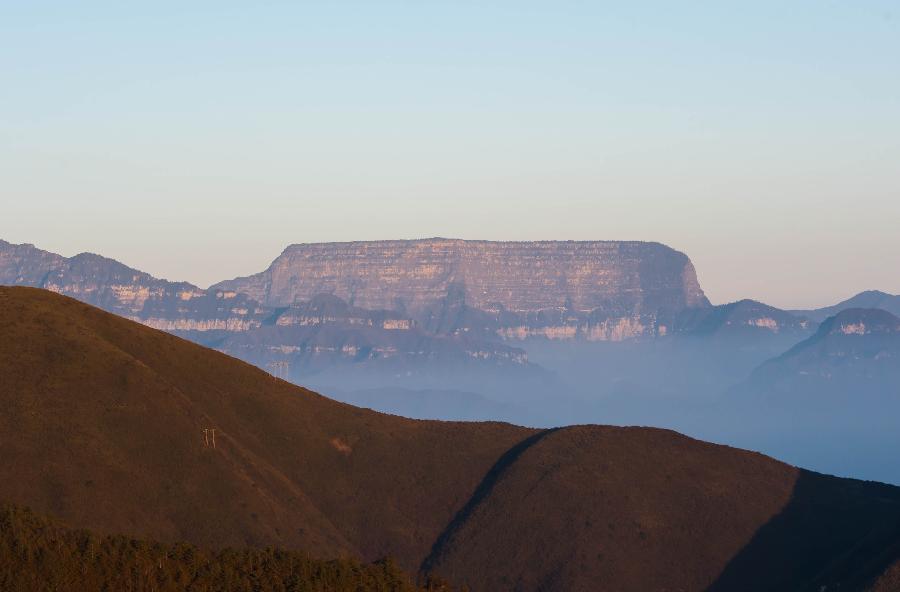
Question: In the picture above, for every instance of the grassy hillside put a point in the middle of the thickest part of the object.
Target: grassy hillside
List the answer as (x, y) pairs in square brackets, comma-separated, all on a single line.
[(107, 425)]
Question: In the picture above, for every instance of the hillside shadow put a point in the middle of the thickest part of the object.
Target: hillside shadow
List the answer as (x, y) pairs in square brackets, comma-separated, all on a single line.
[(834, 534), (481, 492)]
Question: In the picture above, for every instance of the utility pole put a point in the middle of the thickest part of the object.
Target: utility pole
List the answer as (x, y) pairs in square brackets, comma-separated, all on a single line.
[(209, 437)]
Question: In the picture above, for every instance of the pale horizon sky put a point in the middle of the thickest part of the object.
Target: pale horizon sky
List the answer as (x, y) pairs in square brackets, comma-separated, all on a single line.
[(195, 142)]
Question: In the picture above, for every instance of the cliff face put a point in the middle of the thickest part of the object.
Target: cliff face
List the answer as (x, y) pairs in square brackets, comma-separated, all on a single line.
[(395, 305), (596, 290), (103, 282), (292, 342)]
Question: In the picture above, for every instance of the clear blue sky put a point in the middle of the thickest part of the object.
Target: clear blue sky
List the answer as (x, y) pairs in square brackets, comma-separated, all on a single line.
[(195, 140)]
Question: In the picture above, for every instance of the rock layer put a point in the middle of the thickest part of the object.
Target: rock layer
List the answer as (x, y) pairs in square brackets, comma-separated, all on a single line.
[(596, 290), (515, 276)]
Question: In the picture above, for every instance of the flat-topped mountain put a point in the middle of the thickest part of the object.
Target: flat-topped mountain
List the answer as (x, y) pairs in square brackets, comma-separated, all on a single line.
[(632, 282), (427, 314), (293, 342), (108, 424)]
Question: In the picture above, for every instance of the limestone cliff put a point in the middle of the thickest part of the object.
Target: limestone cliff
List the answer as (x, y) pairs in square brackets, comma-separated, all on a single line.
[(596, 290), (397, 305), (125, 291), (289, 341)]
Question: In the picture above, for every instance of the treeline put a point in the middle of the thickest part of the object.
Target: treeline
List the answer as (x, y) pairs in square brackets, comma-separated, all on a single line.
[(40, 554)]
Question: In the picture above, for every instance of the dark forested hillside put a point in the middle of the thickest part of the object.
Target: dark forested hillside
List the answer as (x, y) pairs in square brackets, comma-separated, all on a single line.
[(38, 554)]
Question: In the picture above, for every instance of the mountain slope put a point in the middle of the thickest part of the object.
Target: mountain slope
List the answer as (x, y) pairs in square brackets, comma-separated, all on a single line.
[(831, 401), (103, 426), (744, 318), (867, 299), (855, 350)]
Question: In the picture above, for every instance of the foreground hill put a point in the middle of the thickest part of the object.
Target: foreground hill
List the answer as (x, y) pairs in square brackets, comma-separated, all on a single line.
[(103, 426)]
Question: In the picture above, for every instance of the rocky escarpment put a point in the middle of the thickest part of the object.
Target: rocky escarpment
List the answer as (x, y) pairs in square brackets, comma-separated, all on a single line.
[(327, 334), (397, 306), (596, 290), (104, 282), (292, 342)]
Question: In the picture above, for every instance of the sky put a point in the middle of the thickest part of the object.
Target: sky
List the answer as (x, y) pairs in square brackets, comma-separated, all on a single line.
[(196, 140)]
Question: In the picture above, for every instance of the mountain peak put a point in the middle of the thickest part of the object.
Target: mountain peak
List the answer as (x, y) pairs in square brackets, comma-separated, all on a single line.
[(862, 321)]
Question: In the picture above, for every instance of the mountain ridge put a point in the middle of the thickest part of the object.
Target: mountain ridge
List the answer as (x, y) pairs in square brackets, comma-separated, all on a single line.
[(865, 299)]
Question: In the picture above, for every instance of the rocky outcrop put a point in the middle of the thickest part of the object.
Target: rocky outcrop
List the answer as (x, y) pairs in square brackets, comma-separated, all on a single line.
[(400, 306), (104, 282), (292, 342), (596, 290)]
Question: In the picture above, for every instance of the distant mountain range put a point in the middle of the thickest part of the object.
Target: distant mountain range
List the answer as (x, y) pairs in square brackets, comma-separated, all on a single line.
[(853, 354), (830, 402), (745, 318), (525, 332), (867, 299), (116, 427), (398, 308)]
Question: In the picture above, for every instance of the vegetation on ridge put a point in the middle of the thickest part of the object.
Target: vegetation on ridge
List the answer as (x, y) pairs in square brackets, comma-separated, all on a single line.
[(41, 554)]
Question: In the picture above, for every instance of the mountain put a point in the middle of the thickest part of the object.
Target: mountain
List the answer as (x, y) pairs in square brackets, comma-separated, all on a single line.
[(294, 342), (326, 335), (418, 319), (669, 380), (107, 425), (117, 288), (853, 349), (744, 318), (831, 401), (598, 290), (868, 299)]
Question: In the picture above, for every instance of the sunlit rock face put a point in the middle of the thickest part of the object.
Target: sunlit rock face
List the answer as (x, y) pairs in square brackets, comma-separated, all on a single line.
[(597, 290), (291, 341), (103, 282), (398, 306)]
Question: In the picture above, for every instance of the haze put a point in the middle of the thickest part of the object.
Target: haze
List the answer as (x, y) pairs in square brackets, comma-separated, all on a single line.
[(196, 142)]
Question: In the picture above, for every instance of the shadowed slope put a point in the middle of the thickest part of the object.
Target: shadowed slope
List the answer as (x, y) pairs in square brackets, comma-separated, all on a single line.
[(806, 546), (605, 508)]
